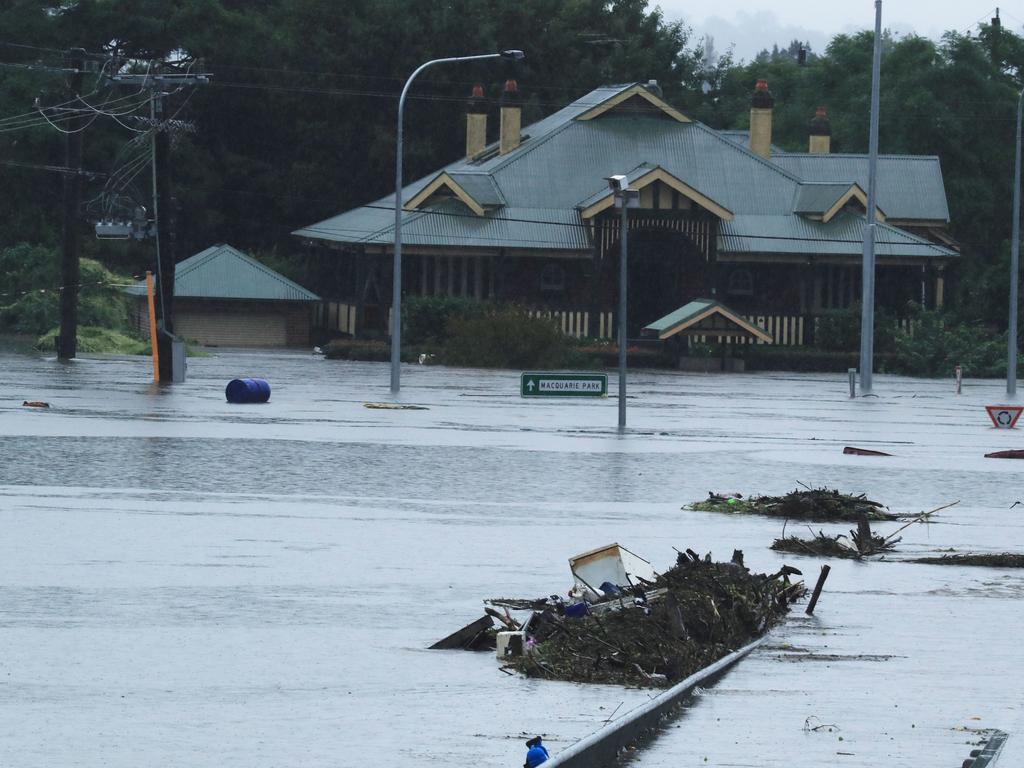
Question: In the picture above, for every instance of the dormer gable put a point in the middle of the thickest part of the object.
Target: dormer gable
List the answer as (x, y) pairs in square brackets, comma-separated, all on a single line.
[(477, 191), (646, 177), (636, 98), (821, 201)]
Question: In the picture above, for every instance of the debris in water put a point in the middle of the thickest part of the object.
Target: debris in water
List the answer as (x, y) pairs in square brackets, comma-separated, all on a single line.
[(650, 633), (823, 505), (1013, 453), (476, 636), (1001, 560), (395, 407), (35, 404), (859, 544), (823, 545), (852, 451)]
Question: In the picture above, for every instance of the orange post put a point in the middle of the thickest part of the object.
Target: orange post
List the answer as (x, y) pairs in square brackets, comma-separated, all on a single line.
[(152, 326)]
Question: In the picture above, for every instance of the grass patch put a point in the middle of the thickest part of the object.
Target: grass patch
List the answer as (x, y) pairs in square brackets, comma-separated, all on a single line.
[(93, 340)]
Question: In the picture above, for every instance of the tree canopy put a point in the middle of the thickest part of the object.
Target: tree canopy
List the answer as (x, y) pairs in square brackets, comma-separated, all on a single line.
[(298, 122)]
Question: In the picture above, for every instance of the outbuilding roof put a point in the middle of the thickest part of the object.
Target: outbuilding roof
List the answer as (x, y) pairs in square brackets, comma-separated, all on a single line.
[(705, 317), (223, 272), (532, 198)]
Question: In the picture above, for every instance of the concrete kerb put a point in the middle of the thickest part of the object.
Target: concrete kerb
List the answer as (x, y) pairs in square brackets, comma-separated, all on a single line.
[(980, 758), (601, 749)]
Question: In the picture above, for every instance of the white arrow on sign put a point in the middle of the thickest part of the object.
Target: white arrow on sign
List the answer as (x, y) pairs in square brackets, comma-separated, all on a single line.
[(530, 385)]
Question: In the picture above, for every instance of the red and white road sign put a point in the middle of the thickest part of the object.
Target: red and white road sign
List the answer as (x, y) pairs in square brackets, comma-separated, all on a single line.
[(1004, 416)]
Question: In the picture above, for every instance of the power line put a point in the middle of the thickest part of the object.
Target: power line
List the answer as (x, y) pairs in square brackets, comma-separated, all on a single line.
[(35, 48), (53, 168)]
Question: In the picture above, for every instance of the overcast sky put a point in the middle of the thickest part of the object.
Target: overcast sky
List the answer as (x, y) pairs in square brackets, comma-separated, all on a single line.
[(751, 25)]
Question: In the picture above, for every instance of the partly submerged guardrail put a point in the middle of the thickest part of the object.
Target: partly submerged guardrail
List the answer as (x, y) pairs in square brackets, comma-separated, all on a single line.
[(601, 748)]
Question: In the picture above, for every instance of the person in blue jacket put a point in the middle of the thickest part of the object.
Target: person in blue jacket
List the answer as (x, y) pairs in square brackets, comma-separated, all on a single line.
[(536, 753)]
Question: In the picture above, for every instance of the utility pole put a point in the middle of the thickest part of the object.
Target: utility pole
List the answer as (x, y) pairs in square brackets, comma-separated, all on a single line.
[(163, 210), (867, 318), (163, 204), (70, 274)]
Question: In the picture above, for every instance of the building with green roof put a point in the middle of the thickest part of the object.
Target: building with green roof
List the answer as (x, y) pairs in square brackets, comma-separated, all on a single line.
[(723, 214), (226, 298)]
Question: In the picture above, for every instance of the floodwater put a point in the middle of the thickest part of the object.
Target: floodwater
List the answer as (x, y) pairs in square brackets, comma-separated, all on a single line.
[(192, 583)]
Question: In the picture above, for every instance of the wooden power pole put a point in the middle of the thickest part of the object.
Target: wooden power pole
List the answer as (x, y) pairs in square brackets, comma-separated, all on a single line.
[(163, 205), (166, 241), (70, 274)]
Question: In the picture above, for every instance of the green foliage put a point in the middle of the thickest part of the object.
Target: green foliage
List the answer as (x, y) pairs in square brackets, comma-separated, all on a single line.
[(838, 330), (258, 166), (935, 347), (506, 337), (428, 319), (32, 305), (354, 349), (93, 340), (274, 120)]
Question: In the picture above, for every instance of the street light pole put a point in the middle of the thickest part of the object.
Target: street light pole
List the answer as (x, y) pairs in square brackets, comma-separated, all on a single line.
[(625, 198), (867, 317), (623, 278), (1011, 343), (396, 294)]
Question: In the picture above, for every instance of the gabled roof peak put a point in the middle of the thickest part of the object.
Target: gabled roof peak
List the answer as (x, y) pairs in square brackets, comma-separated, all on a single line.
[(634, 97)]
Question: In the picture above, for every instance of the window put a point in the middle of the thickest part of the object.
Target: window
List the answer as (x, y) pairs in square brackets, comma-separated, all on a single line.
[(741, 283), (552, 278)]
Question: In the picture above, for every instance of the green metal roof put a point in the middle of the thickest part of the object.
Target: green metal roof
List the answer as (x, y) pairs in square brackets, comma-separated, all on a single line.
[(704, 316), (223, 272), (842, 236), (909, 186), (563, 162), (818, 196), (479, 186)]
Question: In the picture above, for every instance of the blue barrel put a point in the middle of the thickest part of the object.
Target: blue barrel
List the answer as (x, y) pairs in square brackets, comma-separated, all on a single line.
[(247, 391)]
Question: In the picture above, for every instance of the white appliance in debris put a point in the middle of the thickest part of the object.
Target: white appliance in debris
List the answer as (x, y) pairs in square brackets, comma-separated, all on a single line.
[(612, 563)]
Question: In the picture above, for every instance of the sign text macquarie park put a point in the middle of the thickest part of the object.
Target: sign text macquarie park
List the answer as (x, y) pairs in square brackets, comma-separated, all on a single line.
[(563, 385)]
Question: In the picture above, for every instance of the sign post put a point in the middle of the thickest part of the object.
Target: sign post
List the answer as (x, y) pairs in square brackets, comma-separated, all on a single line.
[(563, 385)]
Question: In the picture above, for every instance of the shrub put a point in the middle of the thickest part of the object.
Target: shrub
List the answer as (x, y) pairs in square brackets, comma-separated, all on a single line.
[(92, 340), (935, 347), (838, 330), (34, 304), (506, 337), (428, 319), (352, 349)]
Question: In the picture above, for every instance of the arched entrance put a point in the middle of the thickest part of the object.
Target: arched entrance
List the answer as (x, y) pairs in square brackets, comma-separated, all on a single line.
[(665, 270)]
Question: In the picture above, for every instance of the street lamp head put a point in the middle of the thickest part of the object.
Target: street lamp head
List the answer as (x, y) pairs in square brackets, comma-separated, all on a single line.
[(513, 54)]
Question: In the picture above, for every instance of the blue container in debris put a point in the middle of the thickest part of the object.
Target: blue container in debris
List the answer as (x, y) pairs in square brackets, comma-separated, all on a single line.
[(576, 611), (247, 391)]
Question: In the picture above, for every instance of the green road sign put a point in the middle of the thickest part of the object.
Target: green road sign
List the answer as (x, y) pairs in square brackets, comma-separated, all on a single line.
[(563, 385)]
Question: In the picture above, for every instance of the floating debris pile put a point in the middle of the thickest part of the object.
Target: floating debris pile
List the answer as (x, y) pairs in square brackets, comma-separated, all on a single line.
[(823, 545), (823, 505), (859, 544), (1000, 560), (649, 633)]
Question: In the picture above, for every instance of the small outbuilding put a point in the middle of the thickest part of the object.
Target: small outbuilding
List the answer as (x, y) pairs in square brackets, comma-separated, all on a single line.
[(707, 320), (225, 298)]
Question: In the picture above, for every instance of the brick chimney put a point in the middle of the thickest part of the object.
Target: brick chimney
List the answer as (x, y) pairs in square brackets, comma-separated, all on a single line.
[(761, 104), (476, 123), (511, 117), (820, 134)]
